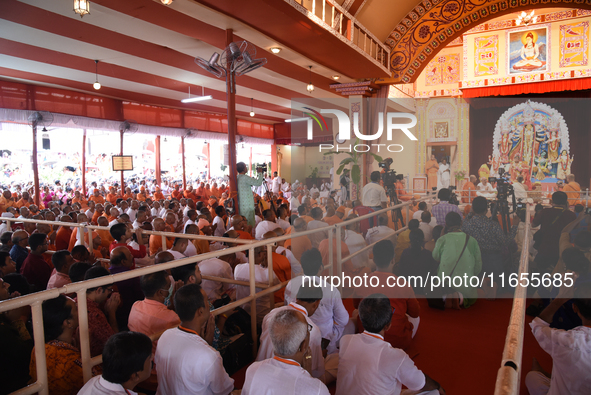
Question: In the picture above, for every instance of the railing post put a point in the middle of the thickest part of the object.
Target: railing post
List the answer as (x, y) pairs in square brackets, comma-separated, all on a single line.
[(164, 245), (330, 252), (83, 330), (339, 254), (408, 213), (90, 242), (253, 303), (39, 336), (270, 263)]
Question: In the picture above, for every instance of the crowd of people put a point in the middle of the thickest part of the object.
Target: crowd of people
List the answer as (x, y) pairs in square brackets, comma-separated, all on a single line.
[(157, 334)]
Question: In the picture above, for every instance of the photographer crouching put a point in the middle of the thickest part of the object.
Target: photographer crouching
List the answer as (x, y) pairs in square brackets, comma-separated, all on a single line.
[(244, 185)]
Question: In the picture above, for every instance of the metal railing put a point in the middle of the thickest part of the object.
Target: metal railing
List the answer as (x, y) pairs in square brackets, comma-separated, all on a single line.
[(35, 300), (334, 18), (508, 376)]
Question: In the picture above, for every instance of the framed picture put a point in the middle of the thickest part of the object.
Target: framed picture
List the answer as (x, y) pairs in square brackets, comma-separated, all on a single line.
[(441, 130), (528, 49)]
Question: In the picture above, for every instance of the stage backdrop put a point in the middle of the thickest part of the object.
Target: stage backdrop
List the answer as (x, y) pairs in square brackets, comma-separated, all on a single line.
[(484, 114)]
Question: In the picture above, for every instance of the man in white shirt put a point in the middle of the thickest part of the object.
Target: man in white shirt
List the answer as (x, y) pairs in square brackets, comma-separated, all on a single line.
[(314, 190), (285, 188), (520, 189), (422, 207), (425, 226), (307, 302), (283, 220), (179, 247), (218, 267), (186, 363), (485, 189), (261, 275), (132, 211), (373, 194), (368, 365), (127, 361), (570, 350), (219, 221), (331, 317), (377, 233), (140, 218), (288, 371), (267, 225), (276, 185), (317, 222), (294, 202), (443, 175), (355, 242)]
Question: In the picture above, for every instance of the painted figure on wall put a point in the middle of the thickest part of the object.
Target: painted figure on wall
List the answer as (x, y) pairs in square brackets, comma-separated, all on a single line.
[(564, 165), (504, 147), (528, 141), (530, 53)]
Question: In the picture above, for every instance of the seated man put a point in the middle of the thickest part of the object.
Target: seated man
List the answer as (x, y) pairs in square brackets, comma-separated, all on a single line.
[(368, 365), (381, 231), (331, 317), (186, 363), (405, 317), (267, 225), (151, 316), (289, 369), (122, 234), (569, 349), (403, 242), (485, 189), (127, 361), (102, 323), (62, 260), (218, 267), (307, 302)]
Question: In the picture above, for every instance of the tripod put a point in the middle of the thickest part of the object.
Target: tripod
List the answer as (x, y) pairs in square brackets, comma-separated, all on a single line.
[(266, 192), (396, 213)]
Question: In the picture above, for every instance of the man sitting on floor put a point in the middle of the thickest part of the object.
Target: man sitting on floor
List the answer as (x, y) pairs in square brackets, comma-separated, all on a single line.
[(368, 365), (127, 361), (186, 363), (571, 361), (289, 369)]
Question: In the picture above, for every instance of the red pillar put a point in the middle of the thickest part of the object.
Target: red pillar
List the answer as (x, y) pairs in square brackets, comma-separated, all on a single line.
[(232, 124), (183, 162), (122, 179), (208, 160), (83, 163), (273, 159), (157, 157), (35, 168)]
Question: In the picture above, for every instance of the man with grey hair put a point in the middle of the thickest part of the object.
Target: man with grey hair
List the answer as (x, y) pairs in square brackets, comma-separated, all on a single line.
[(289, 369), (307, 301)]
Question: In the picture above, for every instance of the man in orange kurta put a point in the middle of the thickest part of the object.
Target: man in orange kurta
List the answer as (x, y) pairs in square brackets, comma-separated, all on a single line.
[(215, 191), (469, 190), (81, 200), (189, 194), (112, 196), (401, 192), (572, 189), (23, 201), (128, 194), (96, 197), (176, 194), (6, 201), (158, 195), (200, 193), (431, 168)]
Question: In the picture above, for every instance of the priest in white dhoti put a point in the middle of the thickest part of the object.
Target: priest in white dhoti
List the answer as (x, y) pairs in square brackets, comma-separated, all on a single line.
[(443, 175), (286, 189), (485, 189)]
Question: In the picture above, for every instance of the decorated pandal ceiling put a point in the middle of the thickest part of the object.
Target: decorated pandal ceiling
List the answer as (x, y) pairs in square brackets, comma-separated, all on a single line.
[(449, 45)]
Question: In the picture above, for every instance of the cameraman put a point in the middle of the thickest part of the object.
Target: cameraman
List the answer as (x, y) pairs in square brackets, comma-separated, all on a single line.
[(440, 210), (373, 194), (344, 183), (244, 185)]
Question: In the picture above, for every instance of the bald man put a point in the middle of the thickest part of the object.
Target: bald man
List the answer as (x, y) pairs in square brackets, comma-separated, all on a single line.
[(239, 225), (156, 240), (299, 244)]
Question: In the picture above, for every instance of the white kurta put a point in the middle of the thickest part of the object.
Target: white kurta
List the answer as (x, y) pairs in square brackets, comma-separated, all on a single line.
[(273, 376), (443, 176), (266, 348), (218, 268), (186, 364)]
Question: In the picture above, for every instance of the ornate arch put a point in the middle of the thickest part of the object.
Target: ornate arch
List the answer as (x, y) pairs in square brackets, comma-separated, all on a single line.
[(432, 24)]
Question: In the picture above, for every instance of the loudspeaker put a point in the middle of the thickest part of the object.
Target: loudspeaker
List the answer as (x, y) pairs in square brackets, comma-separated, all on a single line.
[(46, 143)]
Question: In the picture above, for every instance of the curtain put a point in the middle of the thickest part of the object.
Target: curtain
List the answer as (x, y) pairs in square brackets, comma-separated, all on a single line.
[(573, 84)]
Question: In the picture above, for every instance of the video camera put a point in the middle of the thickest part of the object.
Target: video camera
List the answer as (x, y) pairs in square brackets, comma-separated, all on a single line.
[(501, 206), (262, 167), (504, 187), (389, 177), (453, 198)]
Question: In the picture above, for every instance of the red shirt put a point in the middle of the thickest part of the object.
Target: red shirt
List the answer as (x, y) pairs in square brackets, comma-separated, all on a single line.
[(37, 271), (135, 253), (99, 329)]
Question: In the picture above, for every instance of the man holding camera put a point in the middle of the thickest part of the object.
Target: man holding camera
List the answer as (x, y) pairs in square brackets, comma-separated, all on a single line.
[(245, 184)]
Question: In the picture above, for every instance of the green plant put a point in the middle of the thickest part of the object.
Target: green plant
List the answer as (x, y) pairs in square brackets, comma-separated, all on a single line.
[(459, 175), (223, 168), (314, 174), (353, 160)]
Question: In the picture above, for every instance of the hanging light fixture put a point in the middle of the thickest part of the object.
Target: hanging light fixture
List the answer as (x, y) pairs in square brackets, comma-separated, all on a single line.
[(166, 2), (275, 50), (251, 107), (526, 19), (96, 85), (82, 7), (310, 87)]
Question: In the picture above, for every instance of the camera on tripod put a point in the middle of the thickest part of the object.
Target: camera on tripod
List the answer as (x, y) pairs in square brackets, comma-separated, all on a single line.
[(261, 167), (501, 206), (504, 187), (389, 177), (453, 198)]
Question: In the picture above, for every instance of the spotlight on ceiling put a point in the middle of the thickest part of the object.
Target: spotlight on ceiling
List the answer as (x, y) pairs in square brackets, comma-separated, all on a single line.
[(166, 2), (275, 49), (251, 107), (336, 77), (310, 87)]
